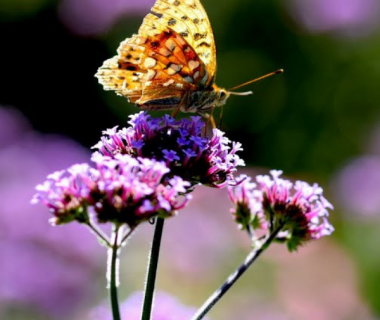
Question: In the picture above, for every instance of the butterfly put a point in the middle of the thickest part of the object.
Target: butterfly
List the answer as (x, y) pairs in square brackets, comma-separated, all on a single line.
[(170, 63)]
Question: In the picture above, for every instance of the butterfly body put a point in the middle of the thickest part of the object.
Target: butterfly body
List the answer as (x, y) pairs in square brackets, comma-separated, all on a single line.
[(198, 101), (170, 63), (203, 100)]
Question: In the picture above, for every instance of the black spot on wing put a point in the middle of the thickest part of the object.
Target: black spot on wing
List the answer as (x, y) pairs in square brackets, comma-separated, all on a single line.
[(172, 22), (204, 44), (198, 36), (125, 65), (154, 44)]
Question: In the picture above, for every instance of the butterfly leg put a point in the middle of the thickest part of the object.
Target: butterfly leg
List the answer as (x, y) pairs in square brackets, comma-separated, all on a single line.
[(175, 111), (184, 101), (209, 119)]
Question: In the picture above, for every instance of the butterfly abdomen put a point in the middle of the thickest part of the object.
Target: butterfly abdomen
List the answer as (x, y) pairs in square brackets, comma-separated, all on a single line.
[(162, 104), (200, 100)]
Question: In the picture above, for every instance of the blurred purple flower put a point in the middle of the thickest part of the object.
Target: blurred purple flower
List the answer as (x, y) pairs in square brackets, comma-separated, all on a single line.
[(209, 161), (32, 251), (344, 17), (300, 208), (57, 283), (166, 307), (91, 17), (122, 189), (357, 186)]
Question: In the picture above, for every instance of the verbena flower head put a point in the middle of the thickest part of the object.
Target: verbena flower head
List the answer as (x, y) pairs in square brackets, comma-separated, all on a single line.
[(299, 209), (122, 189), (65, 194), (207, 160)]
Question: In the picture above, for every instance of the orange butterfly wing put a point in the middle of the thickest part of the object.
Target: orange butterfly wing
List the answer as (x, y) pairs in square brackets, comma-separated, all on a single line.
[(157, 68)]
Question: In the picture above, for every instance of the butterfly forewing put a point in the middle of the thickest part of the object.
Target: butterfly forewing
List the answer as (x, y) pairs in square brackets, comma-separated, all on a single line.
[(189, 19)]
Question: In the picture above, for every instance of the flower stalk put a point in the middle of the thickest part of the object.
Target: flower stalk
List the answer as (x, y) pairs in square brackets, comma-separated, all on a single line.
[(113, 272), (152, 271), (99, 233), (126, 236), (218, 294)]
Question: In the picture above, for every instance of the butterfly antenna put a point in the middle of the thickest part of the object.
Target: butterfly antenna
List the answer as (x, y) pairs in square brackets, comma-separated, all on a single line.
[(251, 81)]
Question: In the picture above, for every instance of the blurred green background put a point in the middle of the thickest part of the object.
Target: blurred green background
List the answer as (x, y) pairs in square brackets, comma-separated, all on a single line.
[(319, 122)]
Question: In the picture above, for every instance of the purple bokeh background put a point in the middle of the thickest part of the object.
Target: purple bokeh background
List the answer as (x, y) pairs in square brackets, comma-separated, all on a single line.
[(357, 187), (352, 18), (357, 182), (166, 307), (49, 268)]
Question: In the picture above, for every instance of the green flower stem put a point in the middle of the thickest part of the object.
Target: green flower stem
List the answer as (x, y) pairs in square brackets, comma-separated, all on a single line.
[(113, 272), (215, 297), (99, 233), (152, 271)]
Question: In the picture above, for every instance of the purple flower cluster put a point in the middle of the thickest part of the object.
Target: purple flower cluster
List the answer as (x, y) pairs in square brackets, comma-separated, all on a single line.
[(64, 193), (206, 160), (298, 209), (122, 189)]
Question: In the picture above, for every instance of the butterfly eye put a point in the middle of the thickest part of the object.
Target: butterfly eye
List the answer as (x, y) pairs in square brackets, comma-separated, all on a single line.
[(222, 94)]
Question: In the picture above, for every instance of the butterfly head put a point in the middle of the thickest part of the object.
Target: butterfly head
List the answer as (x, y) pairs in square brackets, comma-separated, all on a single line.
[(221, 97)]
